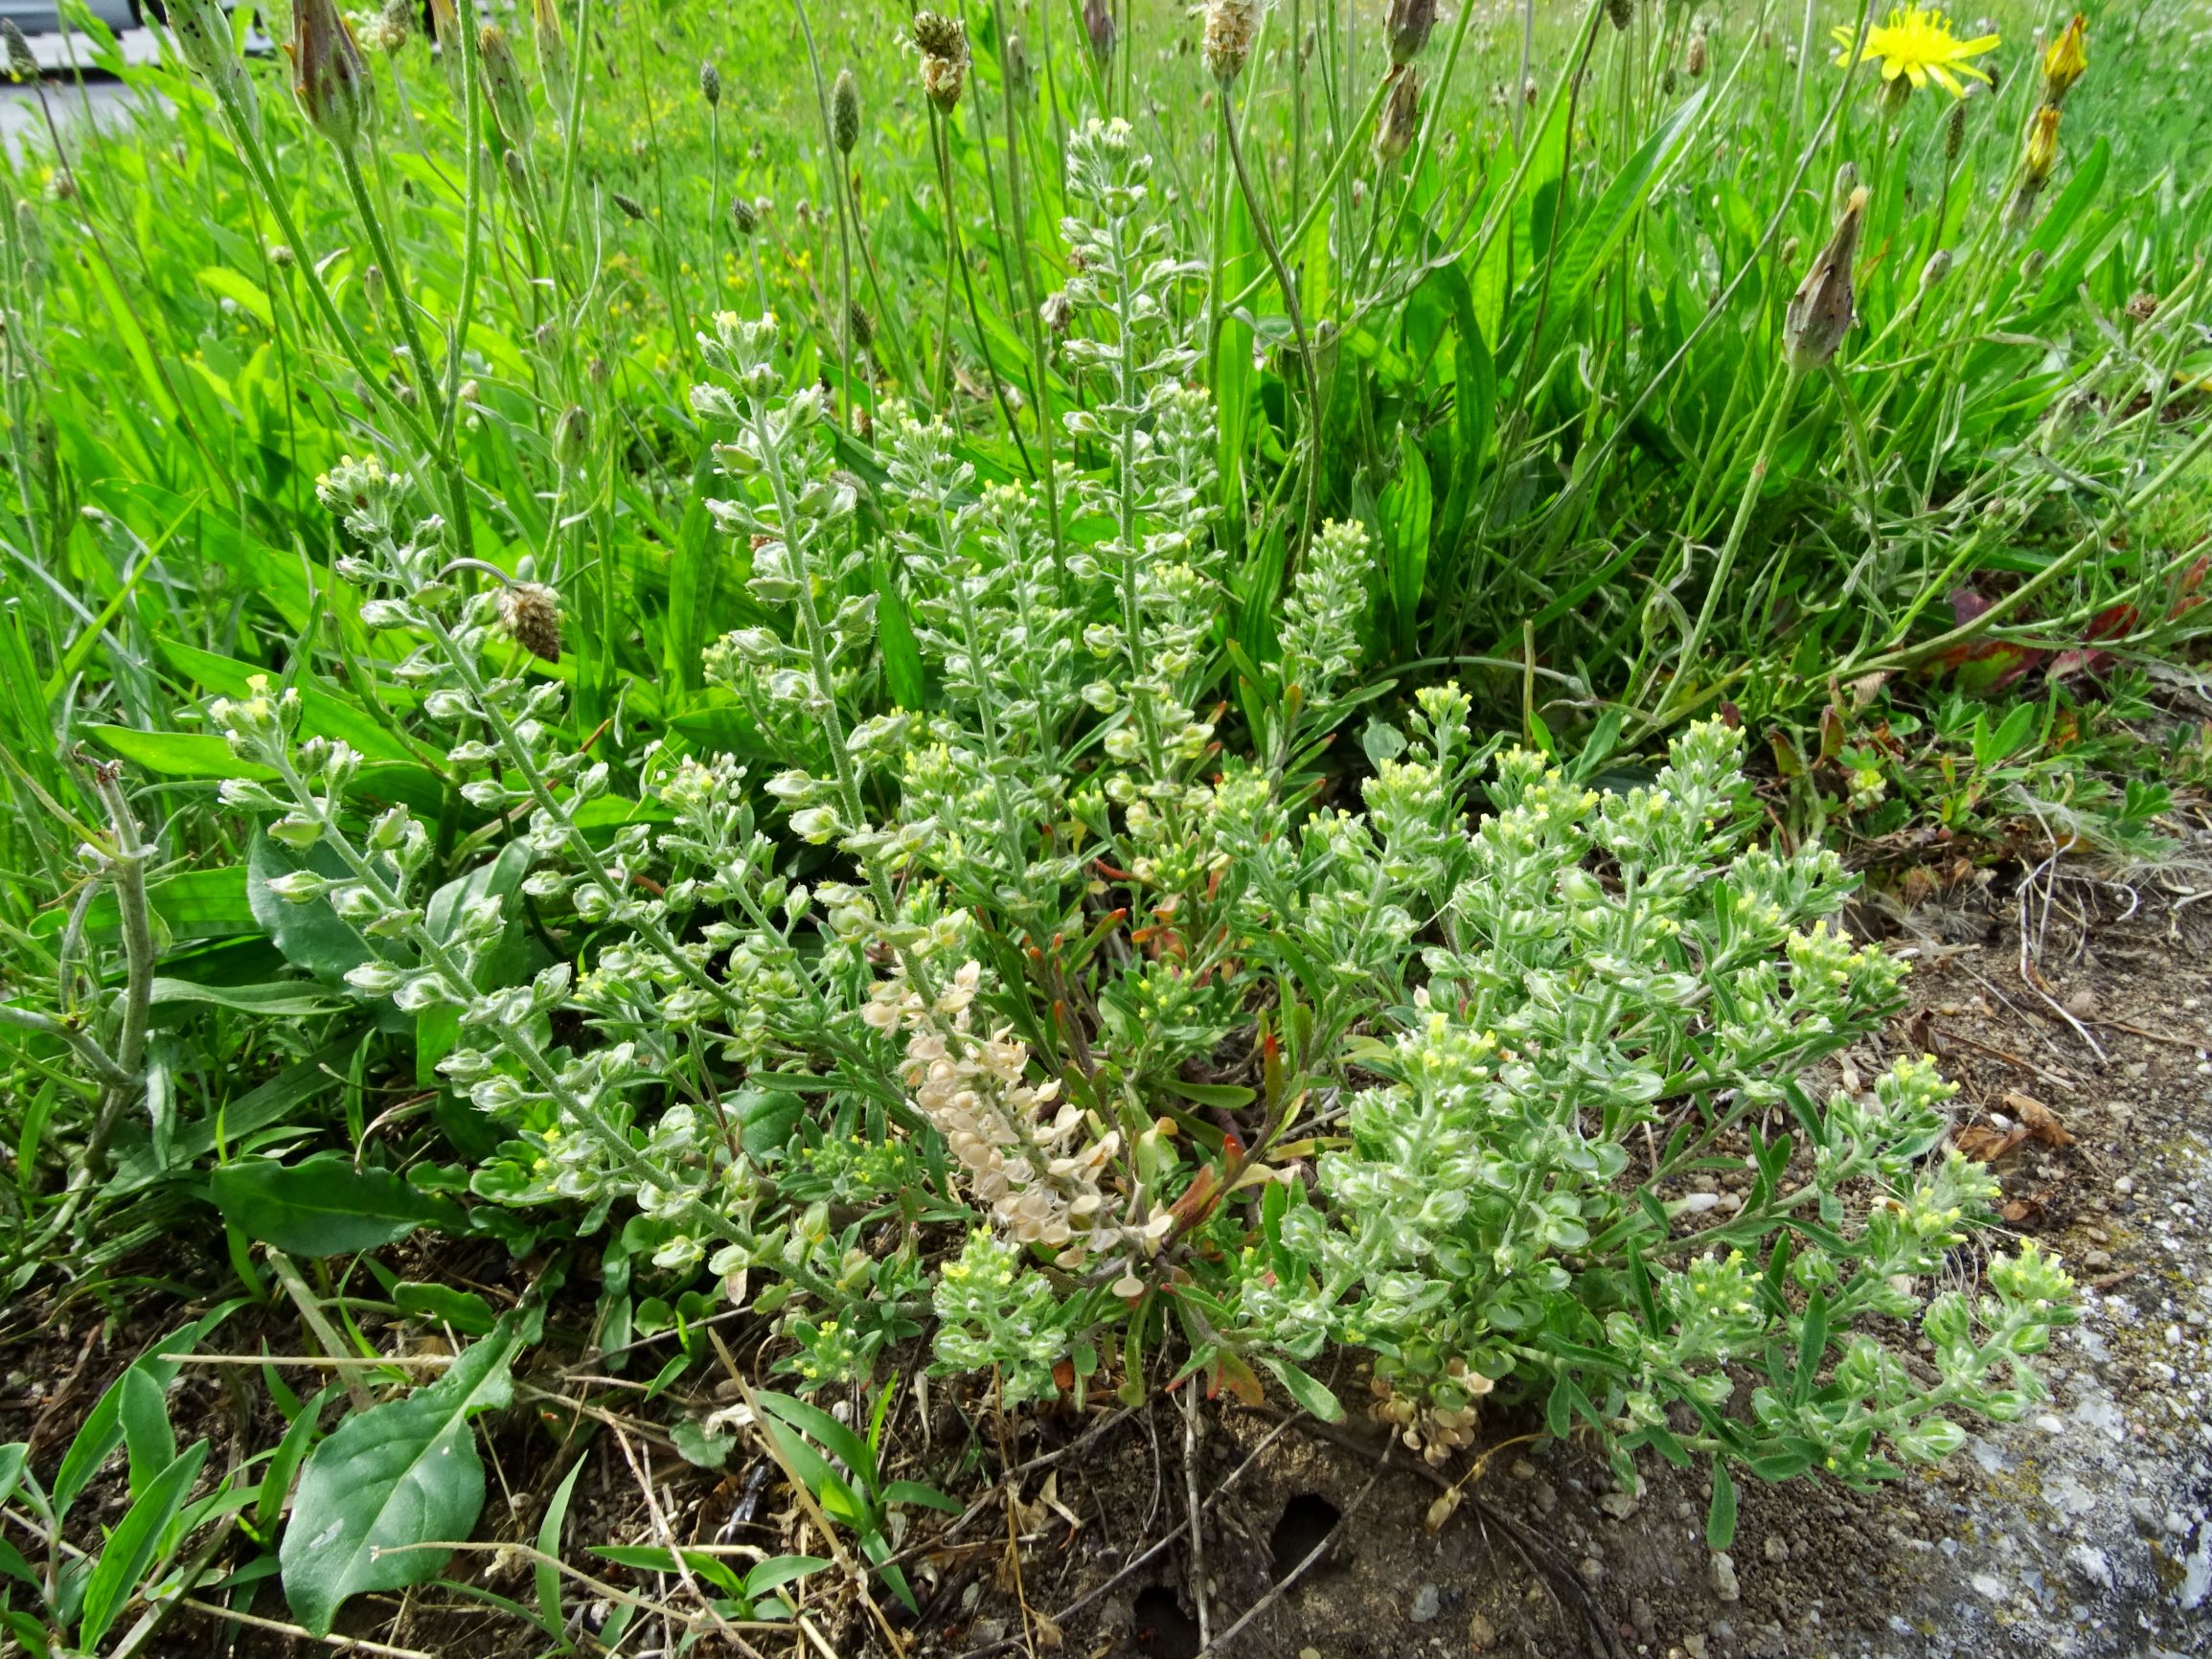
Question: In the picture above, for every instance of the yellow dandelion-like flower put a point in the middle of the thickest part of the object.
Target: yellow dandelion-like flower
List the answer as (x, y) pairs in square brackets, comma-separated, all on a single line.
[(1917, 43)]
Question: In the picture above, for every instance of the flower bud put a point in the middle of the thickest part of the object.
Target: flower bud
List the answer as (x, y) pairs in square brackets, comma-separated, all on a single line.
[(503, 85), (943, 42), (530, 612), (282, 257), (329, 75), (373, 288), (711, 83), (845, 112), (2066, 61), (22, 62), (518, 174), (547, 336), (1933, 273), (1409, 25), (631, 208), (553, 66), (1098, 26), (1400, 118), (1820, 312), (446, 30), (1017, 75), (571, 439), (1230, 25)]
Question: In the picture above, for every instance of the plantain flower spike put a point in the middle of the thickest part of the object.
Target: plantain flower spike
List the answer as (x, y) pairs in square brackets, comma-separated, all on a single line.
[(553, 66), (1622, 13), (1400, 120), (1409, 25), (710, 83), (328, 74), (743, 215), (1694, 60), (1820, 312), (943, 42), (503, 86), (2066, 61), (1098, 26), (22, 61), (845, 112), (1230, 25)]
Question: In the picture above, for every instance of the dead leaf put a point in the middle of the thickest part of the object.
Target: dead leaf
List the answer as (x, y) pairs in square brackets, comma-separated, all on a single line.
[(2021, 1212), (2039, 1120), (1986, 1144)]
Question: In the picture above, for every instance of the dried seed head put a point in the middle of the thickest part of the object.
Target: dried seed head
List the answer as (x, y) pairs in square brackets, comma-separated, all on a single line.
[(2142, 307), (503, 85), (1230, 25), (571, 436), (631, 208), (329, 75), (282, 257), (2066, 61), (530, 612), (1401, 119), (1098, 26), (710, 83), (1409, 25), (1820, 312), (1694, 60), (1622, 13), (1056, 312), (943, 42), (845, 112), (743, 216)]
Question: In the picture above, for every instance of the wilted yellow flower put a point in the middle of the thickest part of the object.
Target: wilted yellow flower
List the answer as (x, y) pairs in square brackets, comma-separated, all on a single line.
[(1917, 44), (2042, 152), (2066, 61)]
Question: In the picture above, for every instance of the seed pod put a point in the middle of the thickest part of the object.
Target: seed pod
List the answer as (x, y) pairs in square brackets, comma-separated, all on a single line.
[(2066, 61), (1821, 310), (743, 216), (1098, 25), (1409, 25), (1694, 59), (553, 66), (530, 612), (571, 436), (1401, 119), (329, 78), (1228, 41), (503, 85), (1954, 134), (845, 112), (631, 208), (22, 62), (710, 83), (943, 42)]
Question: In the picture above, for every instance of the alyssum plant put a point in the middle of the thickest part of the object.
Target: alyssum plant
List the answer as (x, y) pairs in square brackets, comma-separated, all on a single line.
[(1114, 1037)]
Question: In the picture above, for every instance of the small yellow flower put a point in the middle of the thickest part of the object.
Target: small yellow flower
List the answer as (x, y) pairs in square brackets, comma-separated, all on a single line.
[(2066, 61), (1917, 43)]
